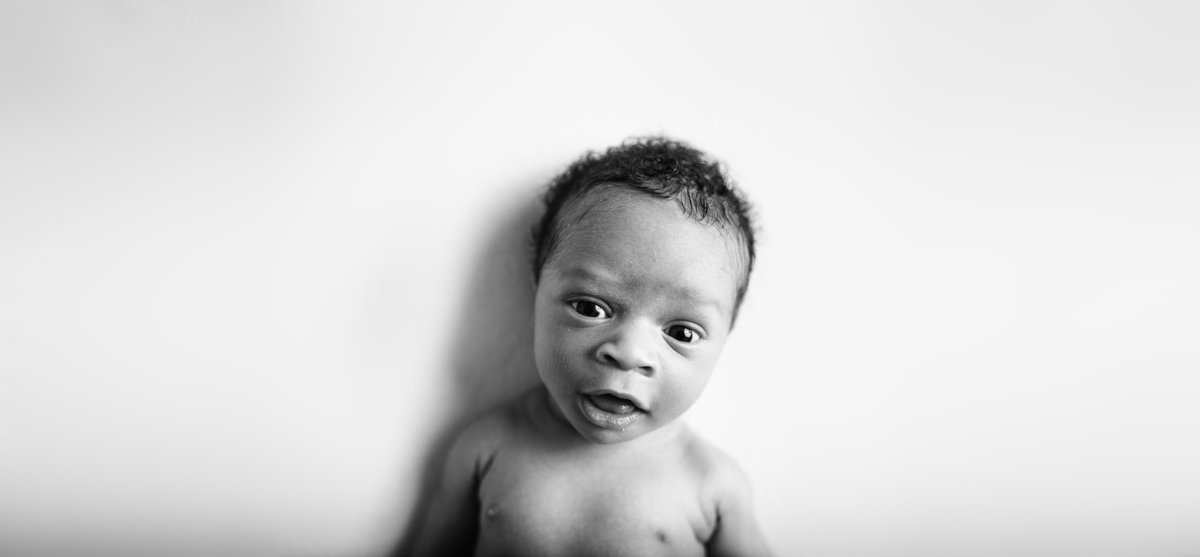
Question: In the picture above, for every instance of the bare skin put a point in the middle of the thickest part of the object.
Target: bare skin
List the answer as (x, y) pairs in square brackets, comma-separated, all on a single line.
[(544, 491), (630, 315)]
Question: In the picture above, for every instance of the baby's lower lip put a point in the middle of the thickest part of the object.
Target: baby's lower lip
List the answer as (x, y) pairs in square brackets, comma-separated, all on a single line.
[(609, 420)]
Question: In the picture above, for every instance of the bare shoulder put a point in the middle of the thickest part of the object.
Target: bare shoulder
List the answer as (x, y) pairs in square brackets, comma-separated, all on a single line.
[(449, 525), (721, 476), (727, 493), (484, 434)]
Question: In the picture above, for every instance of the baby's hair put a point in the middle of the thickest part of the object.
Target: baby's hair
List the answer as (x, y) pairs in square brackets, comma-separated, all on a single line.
[(657, 166)]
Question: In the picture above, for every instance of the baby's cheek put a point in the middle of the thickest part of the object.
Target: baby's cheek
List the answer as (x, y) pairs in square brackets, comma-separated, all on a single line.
[(690, 387), (562, 350), (573, 352), (678, 395)]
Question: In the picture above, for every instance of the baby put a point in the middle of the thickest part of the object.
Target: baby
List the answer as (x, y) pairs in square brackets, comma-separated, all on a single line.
[(642, 259)]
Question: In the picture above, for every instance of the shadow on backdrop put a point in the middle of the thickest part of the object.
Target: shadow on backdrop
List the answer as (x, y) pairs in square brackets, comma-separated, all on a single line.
[(490, 358)]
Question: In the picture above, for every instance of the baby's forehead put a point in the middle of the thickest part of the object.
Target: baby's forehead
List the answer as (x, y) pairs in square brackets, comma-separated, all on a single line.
[(600, 221), (604, 200), (602, 206)]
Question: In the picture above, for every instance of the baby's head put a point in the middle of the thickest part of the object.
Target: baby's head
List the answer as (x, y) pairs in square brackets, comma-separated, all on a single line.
[(642, 261), (658, 168)]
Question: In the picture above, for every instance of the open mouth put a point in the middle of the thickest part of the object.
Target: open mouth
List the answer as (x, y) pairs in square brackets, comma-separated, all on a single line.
[(610, 411)]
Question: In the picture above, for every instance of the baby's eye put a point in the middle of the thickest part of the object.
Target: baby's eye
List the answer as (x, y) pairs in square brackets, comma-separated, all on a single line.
[(683, 333), (588, 308)]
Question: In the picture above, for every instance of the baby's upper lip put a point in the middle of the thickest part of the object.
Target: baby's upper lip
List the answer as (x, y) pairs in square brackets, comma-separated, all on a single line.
[(631, 398)]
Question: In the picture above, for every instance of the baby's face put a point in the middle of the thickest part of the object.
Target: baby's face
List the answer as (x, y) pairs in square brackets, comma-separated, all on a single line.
[(631, 312)]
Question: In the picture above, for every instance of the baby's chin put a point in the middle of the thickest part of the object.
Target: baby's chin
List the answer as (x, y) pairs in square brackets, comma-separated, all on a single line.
[(609, 437), (645, 430)]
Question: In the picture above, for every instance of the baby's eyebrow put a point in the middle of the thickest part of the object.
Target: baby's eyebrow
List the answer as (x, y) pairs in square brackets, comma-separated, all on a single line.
[(697, 301), (584, 273)]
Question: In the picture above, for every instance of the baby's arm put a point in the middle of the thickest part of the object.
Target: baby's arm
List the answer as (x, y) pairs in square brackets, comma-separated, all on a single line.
[(737, 531), (452, 523)]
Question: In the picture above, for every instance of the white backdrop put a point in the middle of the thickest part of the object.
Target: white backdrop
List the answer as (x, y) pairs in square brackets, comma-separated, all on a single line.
[(257, 259)]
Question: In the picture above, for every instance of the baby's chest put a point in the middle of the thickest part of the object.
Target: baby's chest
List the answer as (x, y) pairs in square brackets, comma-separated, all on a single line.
[(569, 508)]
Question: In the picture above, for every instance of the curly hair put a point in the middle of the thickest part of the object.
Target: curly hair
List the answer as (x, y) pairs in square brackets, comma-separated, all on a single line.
[(659, 167)]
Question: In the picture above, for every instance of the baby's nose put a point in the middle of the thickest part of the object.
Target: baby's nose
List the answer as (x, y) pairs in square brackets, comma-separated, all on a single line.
[(630, 348)]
